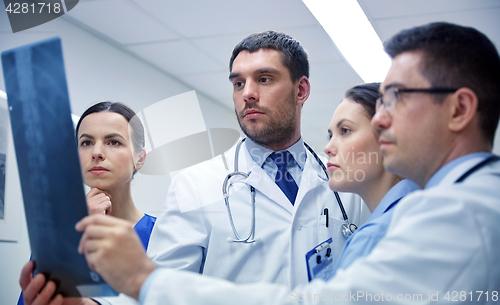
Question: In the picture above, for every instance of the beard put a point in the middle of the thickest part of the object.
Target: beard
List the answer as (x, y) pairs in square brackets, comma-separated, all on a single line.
[(280, 128)]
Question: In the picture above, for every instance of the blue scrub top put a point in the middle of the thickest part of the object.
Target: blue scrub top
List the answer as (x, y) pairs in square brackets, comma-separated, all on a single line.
[(367, 237), (144, 227)]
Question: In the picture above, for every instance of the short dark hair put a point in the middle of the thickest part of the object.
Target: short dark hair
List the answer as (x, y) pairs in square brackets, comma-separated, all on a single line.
[(366, 95), (293, 55), (137, 133), (456, 56)]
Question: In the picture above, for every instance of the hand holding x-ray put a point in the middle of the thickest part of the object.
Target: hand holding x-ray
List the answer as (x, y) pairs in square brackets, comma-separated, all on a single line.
[(113, 249)]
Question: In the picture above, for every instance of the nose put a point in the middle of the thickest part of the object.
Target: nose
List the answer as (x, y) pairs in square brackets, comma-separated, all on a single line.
[(382, 119), (98, 152), (330, 148), (250, 91)]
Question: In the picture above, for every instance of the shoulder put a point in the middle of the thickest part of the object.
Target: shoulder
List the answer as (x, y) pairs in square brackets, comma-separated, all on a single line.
[(467, 211), (214, 169), (199, 185), (479, 191)]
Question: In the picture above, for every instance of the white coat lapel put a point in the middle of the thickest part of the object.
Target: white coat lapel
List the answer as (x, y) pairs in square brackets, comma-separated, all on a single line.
[(264, 184), (312, 177)]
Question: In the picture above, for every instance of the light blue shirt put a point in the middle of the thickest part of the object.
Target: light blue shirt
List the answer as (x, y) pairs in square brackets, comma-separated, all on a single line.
[(261, 155), (367, 237), (444, 170)]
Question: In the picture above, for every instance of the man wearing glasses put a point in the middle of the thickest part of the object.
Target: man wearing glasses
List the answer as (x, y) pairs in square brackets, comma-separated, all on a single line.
[(437, 118)]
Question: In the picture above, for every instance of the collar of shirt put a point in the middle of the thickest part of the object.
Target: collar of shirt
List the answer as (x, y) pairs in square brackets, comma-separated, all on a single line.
[(444, 170), (260, 155), (398, 191)]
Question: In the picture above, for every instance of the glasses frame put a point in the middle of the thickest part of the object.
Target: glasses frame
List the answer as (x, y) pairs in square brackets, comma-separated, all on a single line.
[(397, 93)]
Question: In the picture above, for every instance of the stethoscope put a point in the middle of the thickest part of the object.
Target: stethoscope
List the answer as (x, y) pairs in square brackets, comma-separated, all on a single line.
[(488, 160), (347, 228)]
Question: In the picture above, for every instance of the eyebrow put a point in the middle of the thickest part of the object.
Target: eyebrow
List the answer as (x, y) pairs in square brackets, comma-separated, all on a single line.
[(86, 136), (342, 121), (261, 71), (269, 71), (233, 75), (391, 86), (111, 135), (387, 87)]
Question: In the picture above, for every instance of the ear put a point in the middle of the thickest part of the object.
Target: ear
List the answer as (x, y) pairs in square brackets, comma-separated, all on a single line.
[(463, 109), (140, 158), (304, 88)]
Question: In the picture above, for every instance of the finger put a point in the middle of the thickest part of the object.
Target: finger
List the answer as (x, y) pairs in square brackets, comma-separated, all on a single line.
[(105, 204), (45, 294), (26, 274), (98, 219), (108, 210), (100, 207), (33, 288), (90, 247), (100, 197), (95, 252), (92, 253), (98, 201), (79, 301), (94, 191), (58, 300), (92, 233), (88, 220)]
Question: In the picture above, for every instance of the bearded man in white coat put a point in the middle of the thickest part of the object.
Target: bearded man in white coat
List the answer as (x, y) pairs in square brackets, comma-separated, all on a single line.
[(269, 72)]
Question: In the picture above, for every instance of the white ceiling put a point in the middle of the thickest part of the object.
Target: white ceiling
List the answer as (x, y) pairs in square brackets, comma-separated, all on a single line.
[(192, 40)]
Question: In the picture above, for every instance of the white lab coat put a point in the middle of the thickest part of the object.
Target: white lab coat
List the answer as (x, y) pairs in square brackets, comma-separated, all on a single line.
[(443, 244), (196, 240)]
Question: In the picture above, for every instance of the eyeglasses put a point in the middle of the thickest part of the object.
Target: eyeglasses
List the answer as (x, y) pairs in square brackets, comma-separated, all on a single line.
[(392, 95)]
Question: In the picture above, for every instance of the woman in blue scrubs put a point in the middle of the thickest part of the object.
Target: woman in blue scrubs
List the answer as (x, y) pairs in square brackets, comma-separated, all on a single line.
[(111, 148)]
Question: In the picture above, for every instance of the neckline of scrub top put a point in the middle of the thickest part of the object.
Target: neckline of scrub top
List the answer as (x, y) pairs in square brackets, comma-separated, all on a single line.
[(398, 191)]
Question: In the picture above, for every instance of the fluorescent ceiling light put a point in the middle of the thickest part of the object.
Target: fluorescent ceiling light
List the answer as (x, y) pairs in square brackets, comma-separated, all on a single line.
[(3, 94), (354, 36)]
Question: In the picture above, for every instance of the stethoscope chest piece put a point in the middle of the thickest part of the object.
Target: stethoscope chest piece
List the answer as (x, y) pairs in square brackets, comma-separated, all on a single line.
[(348, 230)]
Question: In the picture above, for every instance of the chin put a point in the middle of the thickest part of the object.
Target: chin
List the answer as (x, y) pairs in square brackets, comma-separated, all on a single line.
[(342, 185), (390, 166), (253, 131), (98, 184)]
